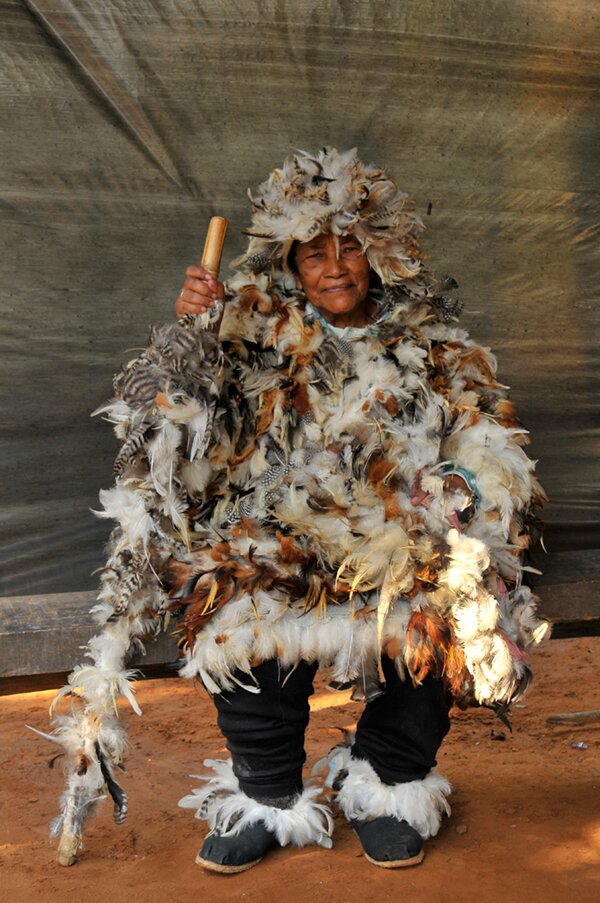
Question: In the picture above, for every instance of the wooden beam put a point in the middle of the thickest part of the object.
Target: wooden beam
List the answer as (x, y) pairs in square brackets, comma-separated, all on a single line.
[(43, 637), (34, 683), (570, 591)]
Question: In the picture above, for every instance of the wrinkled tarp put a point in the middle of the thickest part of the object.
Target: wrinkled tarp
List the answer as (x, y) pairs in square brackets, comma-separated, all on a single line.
[(128, 123)]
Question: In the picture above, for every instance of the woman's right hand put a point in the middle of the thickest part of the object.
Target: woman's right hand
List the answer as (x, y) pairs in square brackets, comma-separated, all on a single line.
[(200, 292)]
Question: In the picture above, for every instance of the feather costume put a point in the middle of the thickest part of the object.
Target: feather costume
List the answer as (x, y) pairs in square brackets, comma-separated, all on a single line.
[(284, 491)]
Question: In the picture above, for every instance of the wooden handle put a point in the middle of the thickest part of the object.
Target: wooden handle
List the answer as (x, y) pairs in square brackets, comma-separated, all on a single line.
[(67, 850), (213, 246)]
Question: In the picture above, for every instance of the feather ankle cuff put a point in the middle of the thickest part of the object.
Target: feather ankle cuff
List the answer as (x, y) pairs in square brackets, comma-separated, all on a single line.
[(229, 810), (362, 795)]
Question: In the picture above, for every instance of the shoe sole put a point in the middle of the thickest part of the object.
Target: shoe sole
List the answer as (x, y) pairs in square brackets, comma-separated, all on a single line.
[(398, 863), (226, 869)]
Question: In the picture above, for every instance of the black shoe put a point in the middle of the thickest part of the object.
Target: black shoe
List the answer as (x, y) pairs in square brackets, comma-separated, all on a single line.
[(389, 843), (236, 853)]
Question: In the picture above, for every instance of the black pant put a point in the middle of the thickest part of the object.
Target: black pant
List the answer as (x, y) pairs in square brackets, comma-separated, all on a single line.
[(399, 733)]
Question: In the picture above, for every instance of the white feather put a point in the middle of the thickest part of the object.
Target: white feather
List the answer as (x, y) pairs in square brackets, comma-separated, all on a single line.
[(230, 811), (363, 795), (127, 506)]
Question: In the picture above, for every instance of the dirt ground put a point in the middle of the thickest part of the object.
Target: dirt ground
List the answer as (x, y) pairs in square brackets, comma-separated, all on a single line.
[(525, 824)]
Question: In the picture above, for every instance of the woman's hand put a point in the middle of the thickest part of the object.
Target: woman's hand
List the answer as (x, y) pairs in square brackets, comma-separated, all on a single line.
[(200, 292), (455, 483)]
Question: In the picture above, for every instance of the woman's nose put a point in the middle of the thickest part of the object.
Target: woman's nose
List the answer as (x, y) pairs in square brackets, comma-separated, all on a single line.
[(335, 265)]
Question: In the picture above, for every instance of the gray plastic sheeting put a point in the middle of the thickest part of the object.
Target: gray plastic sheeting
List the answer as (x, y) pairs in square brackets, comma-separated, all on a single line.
[(128, 123)]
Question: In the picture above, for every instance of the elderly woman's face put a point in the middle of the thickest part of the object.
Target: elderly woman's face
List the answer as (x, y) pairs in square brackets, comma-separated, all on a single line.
[(337, 284)]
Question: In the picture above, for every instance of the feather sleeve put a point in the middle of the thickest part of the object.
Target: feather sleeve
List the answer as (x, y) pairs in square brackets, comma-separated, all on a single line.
[(484, 444), (483, 495), (164, 410)]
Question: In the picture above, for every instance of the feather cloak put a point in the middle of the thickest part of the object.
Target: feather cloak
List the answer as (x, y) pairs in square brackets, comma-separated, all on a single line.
[(287, 489)]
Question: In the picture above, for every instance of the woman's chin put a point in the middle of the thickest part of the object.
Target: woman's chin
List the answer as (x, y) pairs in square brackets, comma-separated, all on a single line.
[(339, 305)]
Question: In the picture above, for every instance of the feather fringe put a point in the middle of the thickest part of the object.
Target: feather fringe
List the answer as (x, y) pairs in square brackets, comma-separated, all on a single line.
[(228, 810), (265, 627), (362, 795)]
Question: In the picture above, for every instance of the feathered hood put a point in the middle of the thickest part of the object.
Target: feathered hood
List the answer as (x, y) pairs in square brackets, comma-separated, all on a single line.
[(333, 192)]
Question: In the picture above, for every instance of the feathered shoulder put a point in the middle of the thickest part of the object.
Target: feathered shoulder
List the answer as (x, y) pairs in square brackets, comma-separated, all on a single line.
[(269, 315), (259, 307)]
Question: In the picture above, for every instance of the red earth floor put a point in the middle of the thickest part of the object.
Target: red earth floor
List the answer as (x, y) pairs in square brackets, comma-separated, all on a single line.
[(525, 824)]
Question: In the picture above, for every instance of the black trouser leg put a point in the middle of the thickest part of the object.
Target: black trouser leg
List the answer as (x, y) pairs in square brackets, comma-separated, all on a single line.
[(265, 731), (400, 732)]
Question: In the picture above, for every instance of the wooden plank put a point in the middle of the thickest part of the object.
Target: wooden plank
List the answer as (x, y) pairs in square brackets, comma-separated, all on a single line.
[(33, 683), (43, 637), (558, 568), (48, 634), (570, 591)]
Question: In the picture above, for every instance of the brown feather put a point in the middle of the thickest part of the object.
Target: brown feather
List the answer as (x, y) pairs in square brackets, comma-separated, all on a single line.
[(431, 648), (267, 406)]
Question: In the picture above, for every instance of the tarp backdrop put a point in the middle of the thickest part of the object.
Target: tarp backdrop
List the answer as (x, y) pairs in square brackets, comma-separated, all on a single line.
[(127, 123)]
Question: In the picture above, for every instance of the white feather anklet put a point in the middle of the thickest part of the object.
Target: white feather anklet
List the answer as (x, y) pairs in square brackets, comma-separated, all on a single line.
[(362, 795), (229, 810)]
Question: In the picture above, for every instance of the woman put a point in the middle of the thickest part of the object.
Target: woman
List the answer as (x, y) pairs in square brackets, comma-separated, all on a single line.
[(332, 476)]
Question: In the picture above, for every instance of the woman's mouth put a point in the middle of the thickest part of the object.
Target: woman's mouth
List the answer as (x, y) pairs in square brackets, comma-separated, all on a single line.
[(337, 288)]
